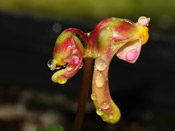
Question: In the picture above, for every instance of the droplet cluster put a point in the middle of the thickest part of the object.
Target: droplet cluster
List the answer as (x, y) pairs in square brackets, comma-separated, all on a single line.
[(100, 80), (99, 111)]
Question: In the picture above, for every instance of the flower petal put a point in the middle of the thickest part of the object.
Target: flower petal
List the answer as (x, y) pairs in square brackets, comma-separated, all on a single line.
[(130, 51), (105, 107), (68, 49)]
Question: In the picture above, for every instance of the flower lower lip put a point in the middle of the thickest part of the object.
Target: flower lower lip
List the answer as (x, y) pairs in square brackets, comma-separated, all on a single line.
[(132, 55)]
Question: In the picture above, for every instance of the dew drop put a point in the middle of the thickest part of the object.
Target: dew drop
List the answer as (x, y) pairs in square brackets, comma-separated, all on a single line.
[(49, 63), (100, 79), (69, 67), (104, 105), (100, 64), (88, 34), (99, 111), (93, 96)]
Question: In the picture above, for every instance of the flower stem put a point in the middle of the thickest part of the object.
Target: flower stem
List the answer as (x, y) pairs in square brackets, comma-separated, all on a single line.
[(86, 77)]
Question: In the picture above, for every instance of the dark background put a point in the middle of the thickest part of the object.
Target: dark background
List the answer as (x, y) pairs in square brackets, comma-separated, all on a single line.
[(144, 91)]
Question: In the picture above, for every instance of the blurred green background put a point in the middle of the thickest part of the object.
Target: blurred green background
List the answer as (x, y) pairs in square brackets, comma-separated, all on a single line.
[(160, 11)]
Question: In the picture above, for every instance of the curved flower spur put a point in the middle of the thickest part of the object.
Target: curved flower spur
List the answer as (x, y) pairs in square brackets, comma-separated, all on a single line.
[(112, 36)]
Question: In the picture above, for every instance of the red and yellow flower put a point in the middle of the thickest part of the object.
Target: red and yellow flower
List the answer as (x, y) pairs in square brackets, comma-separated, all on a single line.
[(112, 36)]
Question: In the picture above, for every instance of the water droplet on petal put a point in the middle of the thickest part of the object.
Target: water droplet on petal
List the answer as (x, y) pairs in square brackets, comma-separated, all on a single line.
[(100, 64), (49, 63), (88, 34), (93, 96), (100, 79), (69, 67), (99, 111), (104, 105)]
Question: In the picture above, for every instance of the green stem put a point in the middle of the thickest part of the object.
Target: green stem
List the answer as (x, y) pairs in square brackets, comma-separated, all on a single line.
[(87, 69)]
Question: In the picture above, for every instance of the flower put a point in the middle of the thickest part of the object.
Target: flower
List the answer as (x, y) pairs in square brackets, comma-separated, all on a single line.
[(112, 36)]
